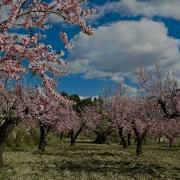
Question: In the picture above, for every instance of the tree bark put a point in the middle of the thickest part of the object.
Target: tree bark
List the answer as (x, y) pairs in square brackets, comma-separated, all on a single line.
[(129, 139), (139, 146), (170, 142), (42, 142), (61, 135), (73, 141), (122, 138), (139, 139), (171, 139), (74, 136)]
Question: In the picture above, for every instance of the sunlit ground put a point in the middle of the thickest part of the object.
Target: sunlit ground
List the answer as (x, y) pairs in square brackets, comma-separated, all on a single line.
[(91, 161)]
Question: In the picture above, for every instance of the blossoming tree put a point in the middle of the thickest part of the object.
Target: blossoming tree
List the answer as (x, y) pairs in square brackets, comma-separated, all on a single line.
[(117, 108), (163, 90), (85, 120), (21, 54), (49, 112)]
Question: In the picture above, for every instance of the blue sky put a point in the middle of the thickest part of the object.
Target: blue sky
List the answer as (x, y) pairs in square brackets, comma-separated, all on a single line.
[(127, 33)]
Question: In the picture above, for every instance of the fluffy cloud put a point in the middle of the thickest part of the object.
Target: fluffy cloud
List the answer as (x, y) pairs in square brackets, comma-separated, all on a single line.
[(148, 8), (116, 50), (4, 12)]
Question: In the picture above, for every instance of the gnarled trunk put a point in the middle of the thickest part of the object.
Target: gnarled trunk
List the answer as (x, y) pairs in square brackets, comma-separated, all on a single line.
[(61, 135), (170, 143), (74, 135), (122, 138), (129, 139), (171, 139), (139, 139), (139, 146), (42, 140)]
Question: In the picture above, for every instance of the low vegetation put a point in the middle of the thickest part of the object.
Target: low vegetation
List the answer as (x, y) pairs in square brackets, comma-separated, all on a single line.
[(87, 160)]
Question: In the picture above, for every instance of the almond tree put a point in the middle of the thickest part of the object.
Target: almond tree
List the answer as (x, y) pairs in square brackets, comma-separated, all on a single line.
[(50, 112), (171, 130), (24, 54), (143, 119), (164, 91), (16, 48), (85, 120), (12, 111), (158, 131), (168, 128), (118, 109), (85, 116), (129, 114)]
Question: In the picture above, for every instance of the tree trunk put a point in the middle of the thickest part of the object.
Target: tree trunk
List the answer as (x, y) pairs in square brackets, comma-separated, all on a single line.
[(129, 139), (139, 146), (139, 139), (61, 135), (5, 129), (42, 142), (159, 140), (101, 138), (170, 143), (74, 136), (73, 141), (123, 140)]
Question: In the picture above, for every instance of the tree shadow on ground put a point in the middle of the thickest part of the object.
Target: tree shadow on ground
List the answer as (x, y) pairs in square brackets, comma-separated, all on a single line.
[(17, 149), (118, 167), (166, 148)]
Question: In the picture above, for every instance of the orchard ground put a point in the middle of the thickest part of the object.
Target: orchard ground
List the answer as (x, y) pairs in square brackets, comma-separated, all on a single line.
[(87, 160)]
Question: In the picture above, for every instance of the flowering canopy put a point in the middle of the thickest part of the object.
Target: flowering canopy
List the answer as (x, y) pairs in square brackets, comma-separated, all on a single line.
[(34, 14), (21, 54)]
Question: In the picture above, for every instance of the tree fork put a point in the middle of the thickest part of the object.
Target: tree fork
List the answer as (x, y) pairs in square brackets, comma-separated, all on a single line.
[(74, 136)]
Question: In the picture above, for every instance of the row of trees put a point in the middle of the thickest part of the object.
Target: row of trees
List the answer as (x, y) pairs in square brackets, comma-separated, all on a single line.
[(154, 111)]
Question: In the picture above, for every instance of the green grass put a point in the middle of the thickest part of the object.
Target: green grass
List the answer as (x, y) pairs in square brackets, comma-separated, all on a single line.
[(91, 161)]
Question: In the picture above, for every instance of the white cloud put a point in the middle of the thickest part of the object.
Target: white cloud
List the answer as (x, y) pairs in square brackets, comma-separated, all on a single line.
[(4, 13), (116, 50), (55, 19), (148, 8), (85, 97)]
